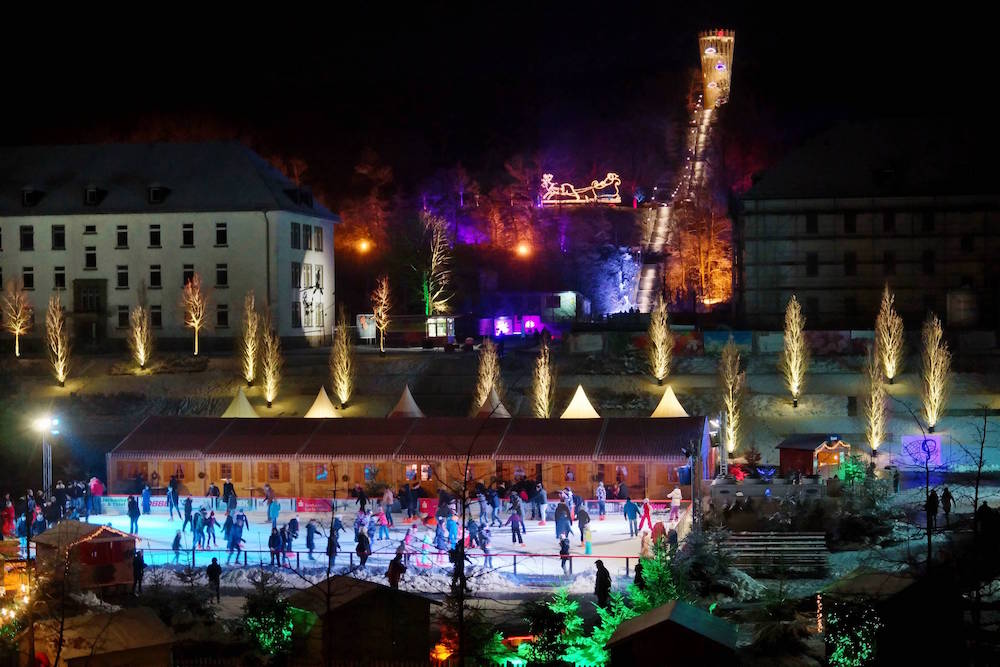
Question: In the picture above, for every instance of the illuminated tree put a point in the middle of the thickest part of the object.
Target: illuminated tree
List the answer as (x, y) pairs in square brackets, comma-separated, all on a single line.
[(889, 337), (271, 361), (140, 335), (57, 339), (935, 370), (733, 382), (342, 361), (195, 304), (267, 616), (434, 281), (17, 312), (875, 400), (489, 374), (250, 338), (543, 386), (795, 358), (381, 303), (661, 341), (700, 254)]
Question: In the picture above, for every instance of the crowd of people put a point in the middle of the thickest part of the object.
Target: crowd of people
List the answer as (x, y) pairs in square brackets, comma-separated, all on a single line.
[(35, 511)]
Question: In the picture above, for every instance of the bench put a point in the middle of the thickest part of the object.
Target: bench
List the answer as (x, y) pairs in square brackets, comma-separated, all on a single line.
[(770, 553)]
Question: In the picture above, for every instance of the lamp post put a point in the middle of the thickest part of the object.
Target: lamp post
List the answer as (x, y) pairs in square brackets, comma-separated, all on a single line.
[(47, 426)]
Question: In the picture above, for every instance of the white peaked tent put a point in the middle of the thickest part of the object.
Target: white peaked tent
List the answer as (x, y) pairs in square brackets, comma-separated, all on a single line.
[(493, 407), (580, 407), (240, 407), (669, 405), (406, 406), (322, 407)]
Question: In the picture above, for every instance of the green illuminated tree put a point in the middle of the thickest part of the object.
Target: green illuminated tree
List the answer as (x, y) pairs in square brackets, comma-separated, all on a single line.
[(661, 581), (267, 616)]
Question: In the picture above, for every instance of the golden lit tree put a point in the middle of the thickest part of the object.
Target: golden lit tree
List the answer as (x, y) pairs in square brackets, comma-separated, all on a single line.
[(661, 341), (57, 339), (250, 339), (381, 304), (700, 254), (889, 337), (270, 361), (17, 312), (489, 374), (794, 360), (435, 279), (342, 360), (140, 335), (543, 385), (732, 381), (194, 301), (875, 406), (935, 371)]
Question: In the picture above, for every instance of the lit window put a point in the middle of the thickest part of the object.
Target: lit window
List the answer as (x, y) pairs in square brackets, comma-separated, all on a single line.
[(318, 238), (307, 241)]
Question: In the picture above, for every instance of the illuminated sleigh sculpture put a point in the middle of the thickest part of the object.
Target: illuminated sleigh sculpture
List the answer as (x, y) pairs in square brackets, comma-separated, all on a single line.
[(564, 193)]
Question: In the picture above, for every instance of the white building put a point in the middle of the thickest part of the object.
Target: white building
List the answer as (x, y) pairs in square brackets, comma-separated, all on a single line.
[(103, 225)]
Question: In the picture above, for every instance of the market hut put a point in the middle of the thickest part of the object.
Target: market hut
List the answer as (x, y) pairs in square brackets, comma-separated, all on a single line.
[(669, 406), (580, 407), (134, 636), (558, 452), (99, 556), (240, 408), (812, 454), (445, 443), (685, 633), (406, 406), (322, 407)]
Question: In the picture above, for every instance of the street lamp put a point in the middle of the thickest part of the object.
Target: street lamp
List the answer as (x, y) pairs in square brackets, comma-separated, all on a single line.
[(47, 426)]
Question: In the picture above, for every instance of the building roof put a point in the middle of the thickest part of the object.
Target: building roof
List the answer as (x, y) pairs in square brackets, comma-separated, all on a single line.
[(271, 436), (453, 438), (100, 634), (669, 406), (240, 407), (868, 582), (580, 407), (692, 618), (569, 439), (322, 407), (887, 158), (199, 177), (66, 533), (343, 590), (643, 440), (161, 436), (357, 439), (804, 441)]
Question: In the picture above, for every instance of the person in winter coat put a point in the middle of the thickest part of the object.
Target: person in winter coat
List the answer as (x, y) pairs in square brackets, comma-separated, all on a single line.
[(404, 499), (646, 545), (563, 523), (214, 574), (176, 546), (311, 537), (485, 542), (286, 544), (362, 497), (332, 547), (387, 501), (395, 570), (675, 503), (213, 495), (564, 552), (602, 498), (515, 508), (242, 521), (413, 500), (188, 505), (931, 506), (147, 500), (293, 528), (360, 522), (210, 523), (514, 521), (338, 528), (493, 498), (647, 514), (235, 540), (541, 502), (198, 529), (227, 527), (274, 546), (582, 520), (672, 539), (452, 526), (602, 587), (383, 525), (8, 519), (231, 503), (640, 580), (133, 515), (631, 511), (273, 510), (946, 500), (138, 570), (96, 491), (364, 548), (588, 541), (228, 491), (372, 525)]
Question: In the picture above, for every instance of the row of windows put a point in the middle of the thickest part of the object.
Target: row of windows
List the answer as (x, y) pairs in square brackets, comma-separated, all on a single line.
[(156, 316), (927, 222), (927, 263), (27, 236), (122, 275), (307, 314), (307, 237), (307, 275)]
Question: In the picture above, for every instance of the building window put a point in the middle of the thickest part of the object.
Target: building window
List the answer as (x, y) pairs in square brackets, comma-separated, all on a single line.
[(927, 222), (121, 236), (28, 277), (553, 301), (90, 258), (226, 470), (318, 239), (850, 264), (59, 278), (90, 229), (320, 472), (58, 237), (296, 235), (968, 243), (888, 221), (421, 472), (187, 235), (154, 236), (27, 237), (221, 234), (273, 472), (122, 276), (318, 283), (812, 264), (222, 275), (889, 263), (187, 275), (307, 314), (222, 315), (91, 196), (307, 239), (850, 223), (812, 223), (123, 317), (296, 274), (296, 315), (155, 280), (928, 262), (306, 276), (155, 317), (156, 194)]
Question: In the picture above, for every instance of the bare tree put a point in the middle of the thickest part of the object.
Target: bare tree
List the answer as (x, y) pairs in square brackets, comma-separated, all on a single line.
[(17, 312), (140, 335), (342, 361), (794, 360), (194, 301), (271, 361), (661, 341), (381, 304), (889, 337), (875, 400), (57, 339), (250, 339), (935, 372), (543, 386), (733, 381), (436, 276), (489, 374)]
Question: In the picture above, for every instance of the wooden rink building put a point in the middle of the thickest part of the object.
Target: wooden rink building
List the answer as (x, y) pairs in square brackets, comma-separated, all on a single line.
[(313, 458)]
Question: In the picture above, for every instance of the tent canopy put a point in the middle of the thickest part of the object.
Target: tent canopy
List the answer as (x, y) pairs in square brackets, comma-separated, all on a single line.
[(406, 406), (580, 407), (322, 407), (240, 407), (493, 407), (669, 406)]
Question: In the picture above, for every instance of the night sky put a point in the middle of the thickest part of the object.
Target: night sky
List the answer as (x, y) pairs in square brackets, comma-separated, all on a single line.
[(473, 82)]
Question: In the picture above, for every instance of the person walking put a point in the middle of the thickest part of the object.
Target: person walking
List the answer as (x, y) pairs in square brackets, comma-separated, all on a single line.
[(176, 546), (274, 546), (647, 515), (583, 521), (542, 501), (516, 508), (188, 505), (564, 552), (395, 569), (602, 499), (228, 491), (631, 511), (602, 587), (213, 495), (331, 548), (514, 521), (210, 523), (946, 501), (931, 507), (493, 498), (214, 574), (485, 542), (362, 497), (387, 502), (147, 500), (675, 503), (364, 548), (138, 570), (273, 510), (311, 537), (133, 515)]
